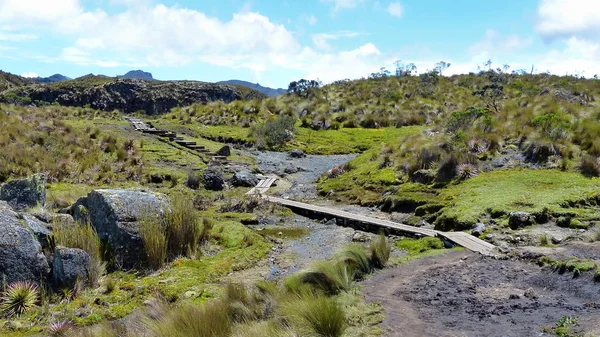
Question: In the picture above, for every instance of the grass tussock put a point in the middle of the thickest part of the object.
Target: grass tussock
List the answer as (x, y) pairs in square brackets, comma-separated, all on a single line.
[(317, 316), (84, 237), (209, 320)]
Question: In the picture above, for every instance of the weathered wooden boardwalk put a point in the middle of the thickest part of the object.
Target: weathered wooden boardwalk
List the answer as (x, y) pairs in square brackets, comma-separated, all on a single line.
[(460, 238)]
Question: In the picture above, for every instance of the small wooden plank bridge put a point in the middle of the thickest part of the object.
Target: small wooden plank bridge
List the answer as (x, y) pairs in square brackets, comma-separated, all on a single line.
[(460, 238)]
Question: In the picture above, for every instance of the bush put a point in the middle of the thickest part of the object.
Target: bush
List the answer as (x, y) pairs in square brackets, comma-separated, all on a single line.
[(84, 237), (20, 297), (275, 132), (380, 252), (193, 180), (182, 228), (589, 166)]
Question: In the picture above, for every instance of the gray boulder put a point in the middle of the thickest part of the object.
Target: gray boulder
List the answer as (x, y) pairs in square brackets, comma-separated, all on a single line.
[(38, 228), (21, 257), (244, 179), (70, 265), (25, 193), (115, 214), (478, 230), (213, 179), (297, 153), (518, 220)]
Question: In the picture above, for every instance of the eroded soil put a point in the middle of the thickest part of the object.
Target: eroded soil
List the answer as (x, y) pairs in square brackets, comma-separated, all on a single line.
[(464, 294)]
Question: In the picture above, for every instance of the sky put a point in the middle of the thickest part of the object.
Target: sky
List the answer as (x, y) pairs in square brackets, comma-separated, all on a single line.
[(273, 42)]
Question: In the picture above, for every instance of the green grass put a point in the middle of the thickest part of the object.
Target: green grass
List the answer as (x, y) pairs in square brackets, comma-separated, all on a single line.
[(516, 190)]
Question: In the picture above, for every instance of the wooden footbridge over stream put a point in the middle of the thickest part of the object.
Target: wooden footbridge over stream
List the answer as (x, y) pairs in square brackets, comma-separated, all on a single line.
[(356, 220)]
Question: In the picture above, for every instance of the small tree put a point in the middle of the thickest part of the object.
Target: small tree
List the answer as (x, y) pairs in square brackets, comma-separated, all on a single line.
[(405, 69), (441, 66), (303, 88), (275, 132), (492, 93)]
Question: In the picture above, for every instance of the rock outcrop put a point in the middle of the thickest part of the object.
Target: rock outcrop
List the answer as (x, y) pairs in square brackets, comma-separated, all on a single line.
[(70, 265), (115, 215), (520, 219), (21, 194), (127, 95), (21, 257)]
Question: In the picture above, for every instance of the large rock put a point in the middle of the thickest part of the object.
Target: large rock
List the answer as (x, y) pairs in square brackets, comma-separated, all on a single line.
[(224, 151), (518, 220), (25, 193), (38, 228), (115, 214), (21, 257), (297, 153), (213, 179), (424, 176), (478, 230), (70, 265), (244, 179)]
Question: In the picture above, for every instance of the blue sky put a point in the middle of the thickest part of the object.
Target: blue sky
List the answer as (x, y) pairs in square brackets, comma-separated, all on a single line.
[(273, 42)]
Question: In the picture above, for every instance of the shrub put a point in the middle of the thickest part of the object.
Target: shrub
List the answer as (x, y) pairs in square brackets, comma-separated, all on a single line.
[(193, 180), (316, 316), (275, 132), (154, 237), (82, 236), (20, 297), (590, 166), (380, 252), (182, 228), (447, 169)]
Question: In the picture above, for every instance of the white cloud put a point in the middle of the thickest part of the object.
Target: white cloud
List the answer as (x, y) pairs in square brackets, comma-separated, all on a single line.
[(343, 4), (321, 40), (569, 18), (37, 11), (395, 9), (16, 37), (496, 45), (311, 20), (30, 75)]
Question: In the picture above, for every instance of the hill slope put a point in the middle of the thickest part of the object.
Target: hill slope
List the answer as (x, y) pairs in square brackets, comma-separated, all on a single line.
[(8, 81), (127, 95), (265, 90)]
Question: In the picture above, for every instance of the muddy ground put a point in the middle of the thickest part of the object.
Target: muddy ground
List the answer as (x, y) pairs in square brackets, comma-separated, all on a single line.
[(464, 294)]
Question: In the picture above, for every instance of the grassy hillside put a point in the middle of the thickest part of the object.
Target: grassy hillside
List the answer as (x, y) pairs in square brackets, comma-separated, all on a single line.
[(9, 81)]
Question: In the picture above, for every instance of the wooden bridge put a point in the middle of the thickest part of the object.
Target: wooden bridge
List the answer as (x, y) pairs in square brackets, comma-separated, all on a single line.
[(460, 238)]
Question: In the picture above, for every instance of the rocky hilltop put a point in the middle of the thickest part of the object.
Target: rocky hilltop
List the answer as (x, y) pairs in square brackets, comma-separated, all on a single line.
[(126, 95), (8, 81)]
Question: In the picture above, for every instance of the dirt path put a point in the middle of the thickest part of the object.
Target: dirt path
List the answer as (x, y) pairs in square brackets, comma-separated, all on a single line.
[(464, 294)]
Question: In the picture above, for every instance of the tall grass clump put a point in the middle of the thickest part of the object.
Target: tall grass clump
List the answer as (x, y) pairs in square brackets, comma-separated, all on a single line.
[(357, 260), (209, 320), (20, 297), (329, 277), (380, 252), (154, 237), (182, 228), (84, 237), (316, 316)]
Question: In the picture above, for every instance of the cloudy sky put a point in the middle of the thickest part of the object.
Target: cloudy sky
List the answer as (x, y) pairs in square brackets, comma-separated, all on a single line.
[(273, 42)]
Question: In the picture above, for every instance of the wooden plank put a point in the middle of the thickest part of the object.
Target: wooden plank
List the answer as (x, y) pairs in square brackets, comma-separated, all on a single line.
[(463, 239)]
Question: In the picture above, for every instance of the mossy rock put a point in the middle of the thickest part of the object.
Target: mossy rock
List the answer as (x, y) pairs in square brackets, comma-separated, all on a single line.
[(428, 209)]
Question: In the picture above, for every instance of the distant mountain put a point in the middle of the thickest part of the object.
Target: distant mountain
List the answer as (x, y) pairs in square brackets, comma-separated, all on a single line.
[(139, 75), (51, 79), (265, 90)]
